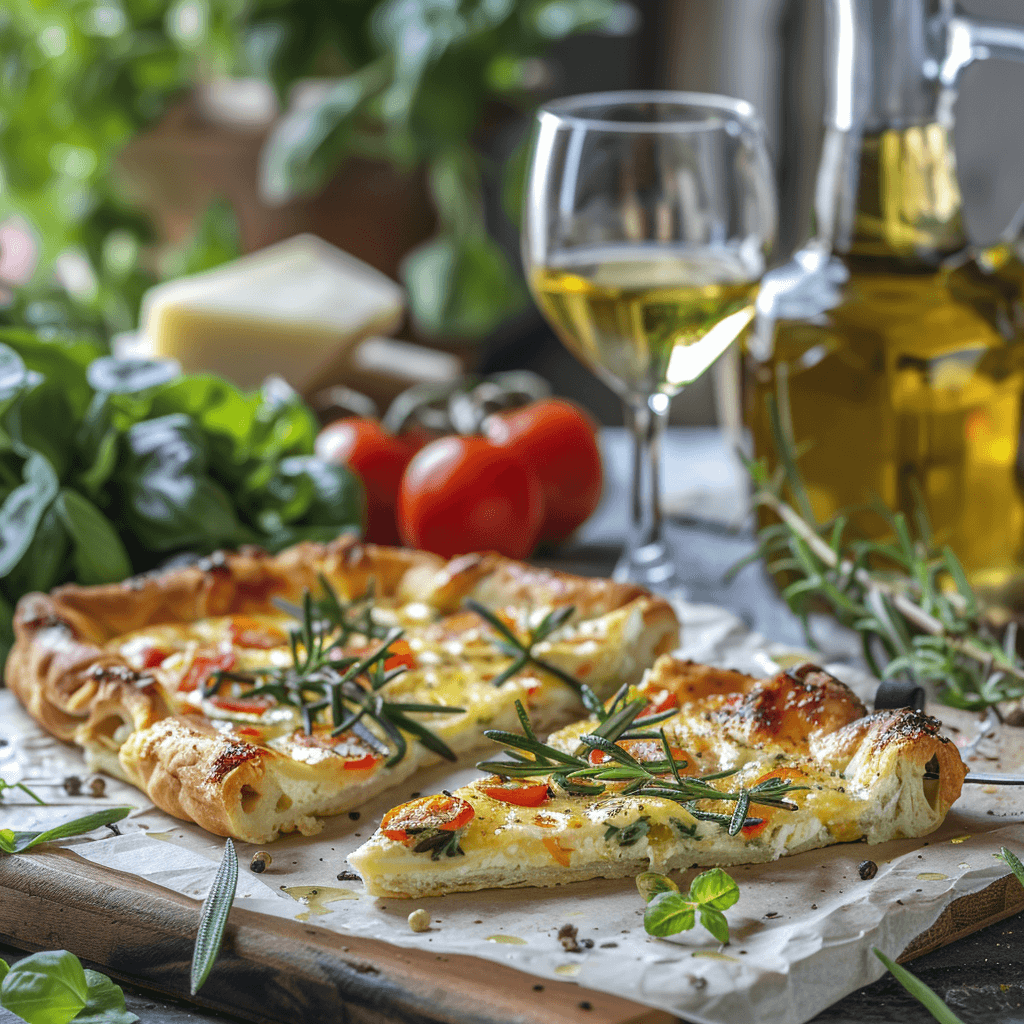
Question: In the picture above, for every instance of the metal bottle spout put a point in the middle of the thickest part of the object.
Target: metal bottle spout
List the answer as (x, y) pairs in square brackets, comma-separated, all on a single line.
[(896, 63)]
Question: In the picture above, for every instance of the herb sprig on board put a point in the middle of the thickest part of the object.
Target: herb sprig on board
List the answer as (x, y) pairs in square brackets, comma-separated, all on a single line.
[(322, 679), (909, 600), (575, 774)]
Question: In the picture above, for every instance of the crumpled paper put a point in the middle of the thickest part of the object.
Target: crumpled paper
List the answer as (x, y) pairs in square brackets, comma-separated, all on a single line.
[(801, 933)]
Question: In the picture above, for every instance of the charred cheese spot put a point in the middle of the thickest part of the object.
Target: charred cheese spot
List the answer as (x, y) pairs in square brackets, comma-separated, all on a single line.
[(230, 757)]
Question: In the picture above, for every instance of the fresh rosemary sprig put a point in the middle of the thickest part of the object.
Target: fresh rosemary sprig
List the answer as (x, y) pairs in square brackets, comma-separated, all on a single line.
[(321, 679), (575, 774), (911, 603), (524, 653)]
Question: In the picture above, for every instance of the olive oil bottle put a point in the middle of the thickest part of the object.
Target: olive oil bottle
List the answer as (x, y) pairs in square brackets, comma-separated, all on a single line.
[(900, 347)]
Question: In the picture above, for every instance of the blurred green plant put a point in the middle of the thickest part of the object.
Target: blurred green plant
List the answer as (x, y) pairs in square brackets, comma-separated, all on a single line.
[(406, 81), (78, 79), (419, 77)]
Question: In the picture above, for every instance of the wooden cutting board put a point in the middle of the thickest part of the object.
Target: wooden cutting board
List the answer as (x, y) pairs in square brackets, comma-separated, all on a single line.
[(277, 970)]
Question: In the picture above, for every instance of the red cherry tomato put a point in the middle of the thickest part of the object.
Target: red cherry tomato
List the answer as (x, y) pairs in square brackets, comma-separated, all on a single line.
[(249, 632), (559, 440), (203, 666), (444, 813), (154, 656), (353, 751), (660, 700), (522, 794), (650, 750), (245, 705), (462, 494), (379, 459)]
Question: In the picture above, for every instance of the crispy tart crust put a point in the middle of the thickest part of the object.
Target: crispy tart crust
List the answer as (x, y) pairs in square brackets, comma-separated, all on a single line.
[(80, 691)]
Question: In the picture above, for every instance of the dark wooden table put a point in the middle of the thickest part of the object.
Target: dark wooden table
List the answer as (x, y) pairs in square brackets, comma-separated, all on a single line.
[(980, 976)]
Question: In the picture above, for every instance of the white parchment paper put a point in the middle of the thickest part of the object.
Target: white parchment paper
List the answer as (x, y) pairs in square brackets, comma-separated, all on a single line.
[(801, 934)]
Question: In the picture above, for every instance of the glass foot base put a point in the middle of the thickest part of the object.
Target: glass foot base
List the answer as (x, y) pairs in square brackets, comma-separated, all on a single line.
[(652, 566)]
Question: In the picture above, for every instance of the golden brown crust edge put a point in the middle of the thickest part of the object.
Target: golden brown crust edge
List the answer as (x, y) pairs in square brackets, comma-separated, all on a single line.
[(59, 670)]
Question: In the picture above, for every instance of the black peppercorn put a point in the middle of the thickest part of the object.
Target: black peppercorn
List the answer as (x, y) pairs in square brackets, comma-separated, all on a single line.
[(868, 869), (260, 862)]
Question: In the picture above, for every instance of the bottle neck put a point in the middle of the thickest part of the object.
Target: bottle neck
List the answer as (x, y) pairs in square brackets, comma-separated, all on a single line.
[(890, 197)]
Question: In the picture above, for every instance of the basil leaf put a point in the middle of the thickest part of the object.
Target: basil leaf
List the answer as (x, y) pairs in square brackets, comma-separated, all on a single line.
[(460, 286), (45, 988), (127, 376), (650, 883), (919, 990), (171, 502), (306, 488), (42, 420), (44, 564), (1013, 862), (283, 423), (667, 914), (23, 509), (104, 1003), (99, 555), (214, 917), (17, 842), (4, 968), (60, 359), (715, 889), (715, 922), (13, 373)]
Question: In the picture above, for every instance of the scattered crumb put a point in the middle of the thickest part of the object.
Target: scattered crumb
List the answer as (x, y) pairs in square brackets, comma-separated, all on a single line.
[(771, 914), (584, 1005), (609, 945), (567, 937), (348, 876), (353, 815), (419, 920)]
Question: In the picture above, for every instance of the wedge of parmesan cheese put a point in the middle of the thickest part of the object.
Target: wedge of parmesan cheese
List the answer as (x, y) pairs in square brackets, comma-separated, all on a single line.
[(293, 309)]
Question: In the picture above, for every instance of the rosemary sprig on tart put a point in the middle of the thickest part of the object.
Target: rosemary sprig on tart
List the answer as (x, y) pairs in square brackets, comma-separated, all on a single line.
[(323, 679), (524, 653), (603, 757)]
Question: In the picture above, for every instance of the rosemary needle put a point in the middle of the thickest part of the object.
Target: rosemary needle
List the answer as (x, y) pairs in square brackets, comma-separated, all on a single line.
[(575, 774), (322, 680)]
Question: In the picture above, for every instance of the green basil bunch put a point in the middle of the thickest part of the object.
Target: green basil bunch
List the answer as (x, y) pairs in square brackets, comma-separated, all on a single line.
[(109, 466)]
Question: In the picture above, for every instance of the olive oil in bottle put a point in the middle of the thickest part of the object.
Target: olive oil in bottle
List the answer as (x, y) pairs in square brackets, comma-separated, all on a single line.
[(902, 352)]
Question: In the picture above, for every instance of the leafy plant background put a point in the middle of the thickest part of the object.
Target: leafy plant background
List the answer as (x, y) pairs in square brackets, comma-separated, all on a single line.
[(409, 83)]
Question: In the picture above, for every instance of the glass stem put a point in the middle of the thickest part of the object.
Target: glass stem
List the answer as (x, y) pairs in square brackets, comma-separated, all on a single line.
[(647, 558)]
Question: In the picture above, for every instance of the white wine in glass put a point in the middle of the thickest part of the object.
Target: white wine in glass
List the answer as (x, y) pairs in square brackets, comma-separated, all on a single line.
[(648, 221)]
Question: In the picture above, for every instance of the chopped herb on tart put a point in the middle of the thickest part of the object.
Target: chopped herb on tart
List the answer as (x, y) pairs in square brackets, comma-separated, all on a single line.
[(324, 681)]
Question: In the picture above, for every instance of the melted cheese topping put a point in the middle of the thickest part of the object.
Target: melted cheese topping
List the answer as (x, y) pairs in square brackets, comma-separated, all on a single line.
[(455, 663)]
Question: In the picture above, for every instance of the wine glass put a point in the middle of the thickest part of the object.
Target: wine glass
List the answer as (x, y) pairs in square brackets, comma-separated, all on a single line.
[(648, 219)]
